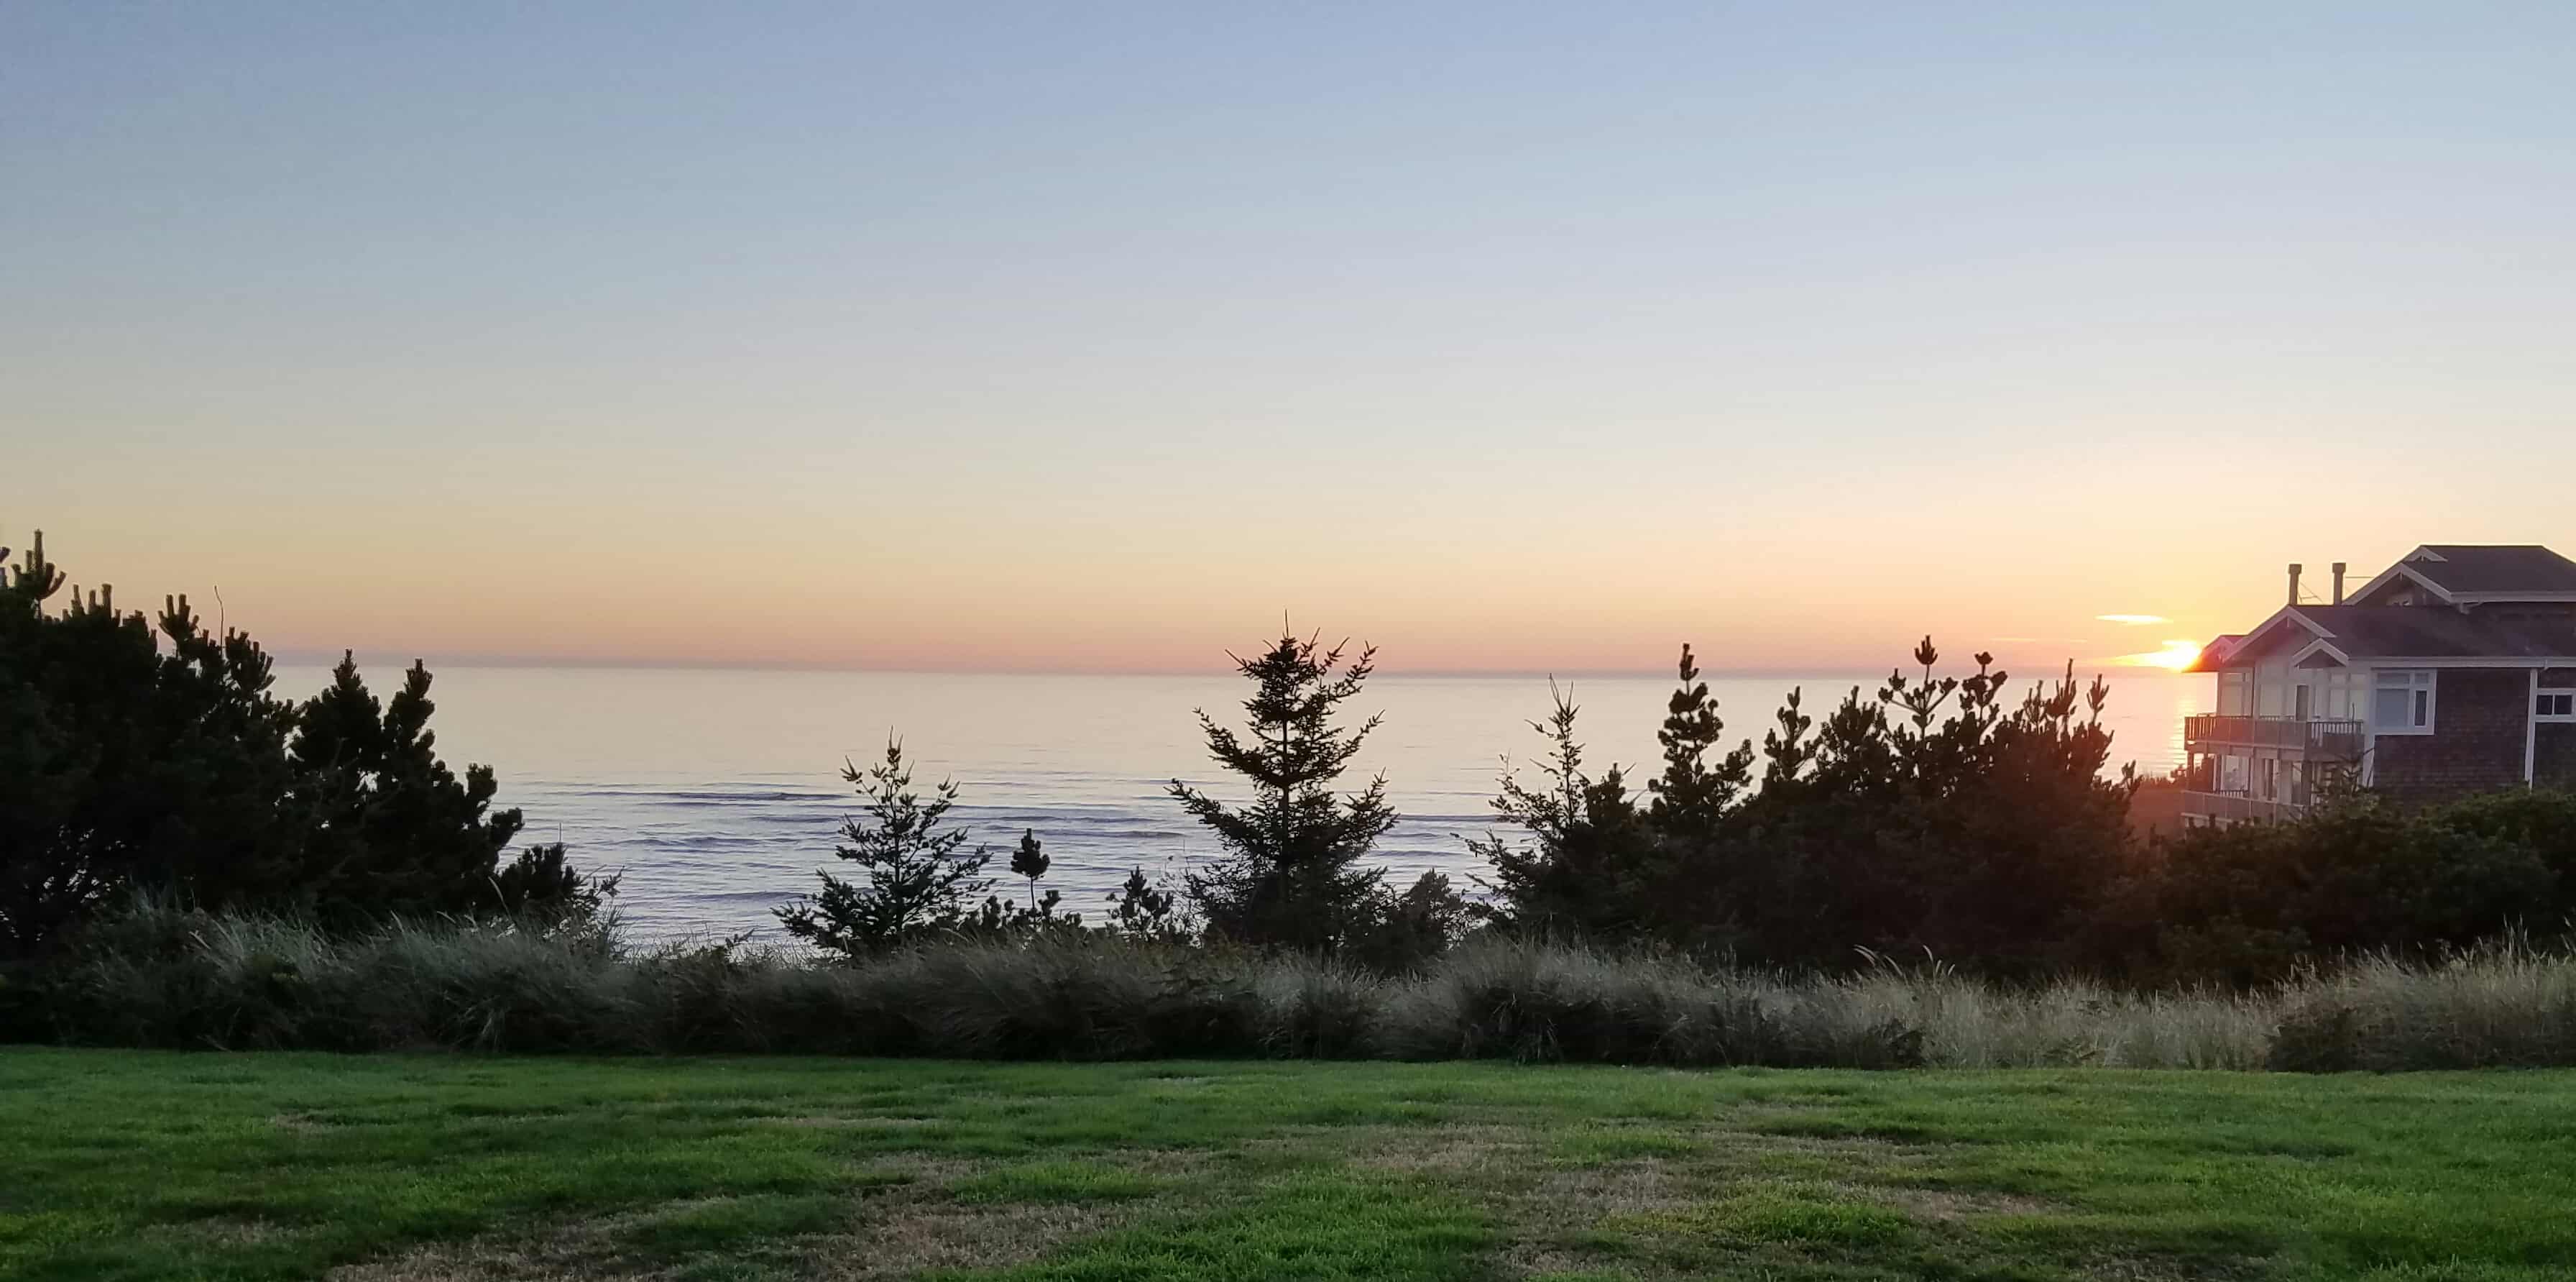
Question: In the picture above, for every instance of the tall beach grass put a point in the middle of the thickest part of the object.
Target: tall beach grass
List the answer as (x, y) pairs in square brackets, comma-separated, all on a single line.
[(165, 977)]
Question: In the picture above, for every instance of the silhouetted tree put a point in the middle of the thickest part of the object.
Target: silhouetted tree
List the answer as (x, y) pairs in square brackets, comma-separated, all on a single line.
[(136, 757), (1417, 926), (1933, 816), (1936, 818), (1029, 862), (543, 888), (1292, 874), (392, 829), (1142, 910), (917, 881), (997, 919), (1692, 796), (1589, 867)]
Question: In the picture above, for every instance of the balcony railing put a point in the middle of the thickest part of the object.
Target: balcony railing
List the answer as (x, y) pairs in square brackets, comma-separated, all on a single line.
[(2234, 807), (2336, 738)]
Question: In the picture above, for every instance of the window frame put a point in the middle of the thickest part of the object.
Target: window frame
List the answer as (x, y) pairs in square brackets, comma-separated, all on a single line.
[(2425, 682), (2553, 692)]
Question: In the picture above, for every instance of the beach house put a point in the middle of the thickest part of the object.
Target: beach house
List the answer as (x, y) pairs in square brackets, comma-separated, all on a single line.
[(2451, 672)]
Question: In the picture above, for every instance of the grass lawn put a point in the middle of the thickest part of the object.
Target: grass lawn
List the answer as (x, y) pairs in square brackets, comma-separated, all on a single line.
[(148, 1165)]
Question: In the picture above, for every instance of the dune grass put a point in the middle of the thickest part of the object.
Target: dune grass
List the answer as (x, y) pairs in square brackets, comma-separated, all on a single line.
[(130, 1164), (190, 981)]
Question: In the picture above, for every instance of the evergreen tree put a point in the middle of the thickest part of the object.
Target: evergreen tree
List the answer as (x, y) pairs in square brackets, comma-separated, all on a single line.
[(1936, 818), (393, 829), (1693, 796), (917, 881), (1589, 867), (1143, 910), (1417, 927), (1292, 874), (161, 759), (997, 919), (542, 889), (1029, 862)]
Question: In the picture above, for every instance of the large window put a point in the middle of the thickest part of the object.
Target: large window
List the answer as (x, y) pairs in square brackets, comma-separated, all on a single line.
[(2236, 693), (2402, 702), (2555, 705)]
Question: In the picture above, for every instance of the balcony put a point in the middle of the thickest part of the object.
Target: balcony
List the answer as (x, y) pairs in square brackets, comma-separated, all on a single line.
[(2233, 807), (2336, 739)]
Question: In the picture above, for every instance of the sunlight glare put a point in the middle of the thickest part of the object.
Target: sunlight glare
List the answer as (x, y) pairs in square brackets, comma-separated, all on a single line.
[(2174, 657)]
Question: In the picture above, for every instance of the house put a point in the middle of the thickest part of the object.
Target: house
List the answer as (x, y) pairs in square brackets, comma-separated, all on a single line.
[(2454, 671)]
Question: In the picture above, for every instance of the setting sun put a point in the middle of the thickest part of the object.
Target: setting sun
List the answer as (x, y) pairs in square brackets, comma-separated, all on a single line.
[(2175, 656)]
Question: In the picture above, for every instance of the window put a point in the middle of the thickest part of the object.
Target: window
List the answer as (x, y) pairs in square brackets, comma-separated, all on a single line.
[(2402, 703), (2235, 694), (2555, 705), (2271, 778)]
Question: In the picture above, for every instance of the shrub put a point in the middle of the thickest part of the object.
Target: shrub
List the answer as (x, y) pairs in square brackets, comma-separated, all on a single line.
[(2255, 903)]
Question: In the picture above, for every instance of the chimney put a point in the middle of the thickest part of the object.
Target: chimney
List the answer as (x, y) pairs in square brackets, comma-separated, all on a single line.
[(2338, 573), (2295, 567)]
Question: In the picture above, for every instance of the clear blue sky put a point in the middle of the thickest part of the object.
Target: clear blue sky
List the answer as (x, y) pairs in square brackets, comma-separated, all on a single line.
[(1012, 335)]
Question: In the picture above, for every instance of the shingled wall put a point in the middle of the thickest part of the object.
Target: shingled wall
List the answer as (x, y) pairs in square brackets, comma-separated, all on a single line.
[(2479, 719)]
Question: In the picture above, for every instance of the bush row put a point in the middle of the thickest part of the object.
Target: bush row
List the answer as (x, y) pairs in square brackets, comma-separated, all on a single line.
[(164, 978)]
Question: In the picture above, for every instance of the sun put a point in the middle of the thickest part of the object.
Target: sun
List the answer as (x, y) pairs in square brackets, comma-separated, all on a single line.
[(2174, 657)]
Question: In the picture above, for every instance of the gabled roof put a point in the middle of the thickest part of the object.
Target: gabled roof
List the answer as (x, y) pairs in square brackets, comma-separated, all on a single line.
[(2362, 633), (2355, 632), (2469, 573), (2213, 656)]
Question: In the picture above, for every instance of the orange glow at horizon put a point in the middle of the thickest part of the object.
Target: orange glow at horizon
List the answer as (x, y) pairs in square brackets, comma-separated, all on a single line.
[(2174, 657)]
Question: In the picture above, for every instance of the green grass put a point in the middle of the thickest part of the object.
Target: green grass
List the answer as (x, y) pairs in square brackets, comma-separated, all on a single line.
[(119, 1164)]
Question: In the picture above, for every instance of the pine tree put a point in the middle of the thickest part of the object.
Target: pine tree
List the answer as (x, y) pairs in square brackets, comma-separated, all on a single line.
[(917, 882), (1029, 862), (1291, 876), (393, 827), (1692, 797), (1587, 869), (159, 758), (1142, 909), (998, 920)]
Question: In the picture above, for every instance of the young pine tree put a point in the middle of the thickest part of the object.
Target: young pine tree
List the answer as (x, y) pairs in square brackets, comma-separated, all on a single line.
[(917, 881), (998, 920), (1029, 862), (1588, 865), (1292, 874), (1144, 910), (1693, 796)]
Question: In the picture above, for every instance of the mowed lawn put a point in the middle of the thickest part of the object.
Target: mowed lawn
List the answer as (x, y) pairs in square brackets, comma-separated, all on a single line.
[(147, 1165)]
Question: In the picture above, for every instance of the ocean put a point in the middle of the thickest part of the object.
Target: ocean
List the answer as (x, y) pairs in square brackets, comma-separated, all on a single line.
[(716, 792)]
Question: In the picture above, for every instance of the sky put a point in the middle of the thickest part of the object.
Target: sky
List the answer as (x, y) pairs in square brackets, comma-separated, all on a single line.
[(1098, 337)]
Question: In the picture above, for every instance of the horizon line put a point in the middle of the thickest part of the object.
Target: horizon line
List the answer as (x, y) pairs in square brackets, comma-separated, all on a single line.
[(323, 658)]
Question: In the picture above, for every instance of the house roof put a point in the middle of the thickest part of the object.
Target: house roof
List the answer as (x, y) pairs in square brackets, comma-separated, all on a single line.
[(2463, 578), (2484, 572), (2213, 655), (2369, 631), (2361, 633)]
